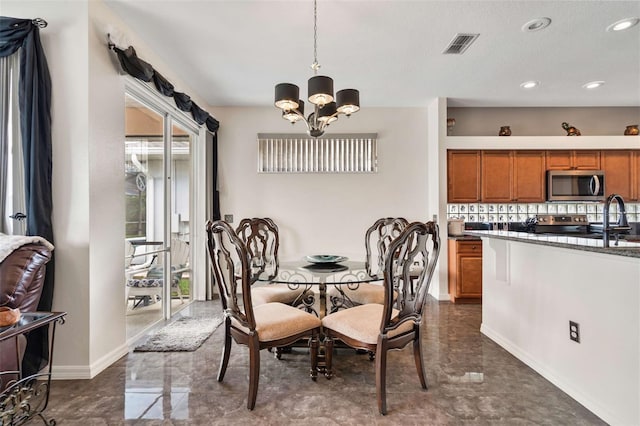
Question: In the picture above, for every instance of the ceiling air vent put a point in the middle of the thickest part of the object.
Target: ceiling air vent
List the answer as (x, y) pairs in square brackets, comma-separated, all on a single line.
[(460, 43)]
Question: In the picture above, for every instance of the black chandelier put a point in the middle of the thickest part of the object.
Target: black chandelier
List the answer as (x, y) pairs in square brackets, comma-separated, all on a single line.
[(320, 91)]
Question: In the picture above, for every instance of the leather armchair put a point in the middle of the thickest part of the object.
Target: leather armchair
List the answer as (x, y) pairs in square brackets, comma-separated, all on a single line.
[(21, 278)]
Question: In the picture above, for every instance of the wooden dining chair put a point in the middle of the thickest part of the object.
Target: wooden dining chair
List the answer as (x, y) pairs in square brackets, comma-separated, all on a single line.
[(395, 323), (377, 240), (258, 327), (262, 240)]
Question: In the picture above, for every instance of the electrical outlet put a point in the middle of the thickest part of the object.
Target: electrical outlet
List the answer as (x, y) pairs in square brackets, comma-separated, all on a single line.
[(574, 331), (228, 218)]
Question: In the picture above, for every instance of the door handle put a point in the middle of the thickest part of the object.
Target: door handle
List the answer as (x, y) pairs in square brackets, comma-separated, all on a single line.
[(595, 189)]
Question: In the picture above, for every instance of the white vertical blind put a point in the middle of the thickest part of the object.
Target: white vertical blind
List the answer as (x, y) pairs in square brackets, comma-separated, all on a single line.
[(299, 153)]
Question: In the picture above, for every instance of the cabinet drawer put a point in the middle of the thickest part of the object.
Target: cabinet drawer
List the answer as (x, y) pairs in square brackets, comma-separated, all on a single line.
[(470, 247)]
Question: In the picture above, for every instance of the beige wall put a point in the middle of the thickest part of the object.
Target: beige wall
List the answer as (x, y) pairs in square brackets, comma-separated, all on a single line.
[(325, 212), (592, 121)]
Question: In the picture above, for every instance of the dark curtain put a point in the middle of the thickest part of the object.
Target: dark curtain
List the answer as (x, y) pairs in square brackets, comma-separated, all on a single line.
[(215, 199), (35, 128)]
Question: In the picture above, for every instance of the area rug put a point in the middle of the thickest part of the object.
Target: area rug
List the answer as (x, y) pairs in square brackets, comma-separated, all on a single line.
[(183, 335)]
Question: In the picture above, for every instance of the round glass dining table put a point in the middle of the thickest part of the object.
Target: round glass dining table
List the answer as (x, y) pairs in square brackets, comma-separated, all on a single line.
[(347, 274)]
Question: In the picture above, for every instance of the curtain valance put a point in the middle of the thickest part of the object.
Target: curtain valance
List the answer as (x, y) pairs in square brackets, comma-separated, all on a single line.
[(144, 71)]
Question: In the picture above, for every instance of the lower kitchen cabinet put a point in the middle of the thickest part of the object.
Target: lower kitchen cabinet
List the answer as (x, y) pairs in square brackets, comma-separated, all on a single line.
[(465, 271)]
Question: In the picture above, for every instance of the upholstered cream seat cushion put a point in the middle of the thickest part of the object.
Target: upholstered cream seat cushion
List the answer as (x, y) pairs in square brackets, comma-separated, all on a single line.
[(276, 321), (365, 293), (362, 323), (275, 293)]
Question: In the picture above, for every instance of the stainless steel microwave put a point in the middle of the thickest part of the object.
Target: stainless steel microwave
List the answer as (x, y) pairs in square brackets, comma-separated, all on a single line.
[(575, 185)]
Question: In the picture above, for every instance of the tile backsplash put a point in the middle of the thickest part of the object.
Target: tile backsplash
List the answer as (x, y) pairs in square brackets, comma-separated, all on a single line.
[(519, 212)]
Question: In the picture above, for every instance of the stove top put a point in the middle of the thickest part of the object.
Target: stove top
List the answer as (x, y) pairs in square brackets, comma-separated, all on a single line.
[(560, 224), (562, 219)]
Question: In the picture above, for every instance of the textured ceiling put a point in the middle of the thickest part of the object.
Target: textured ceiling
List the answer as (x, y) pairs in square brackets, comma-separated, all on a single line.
[(234, 52)]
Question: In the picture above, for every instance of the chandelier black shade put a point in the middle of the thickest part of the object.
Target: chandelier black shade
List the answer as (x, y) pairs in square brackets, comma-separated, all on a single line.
[(320, 90), (348, 101), (287, 96), (328, 113), (320, 95)]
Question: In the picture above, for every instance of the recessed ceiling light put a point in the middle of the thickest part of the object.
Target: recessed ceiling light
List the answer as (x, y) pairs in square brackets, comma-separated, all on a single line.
[(530, 84), (593, 84), (623, 24), (536, 25)]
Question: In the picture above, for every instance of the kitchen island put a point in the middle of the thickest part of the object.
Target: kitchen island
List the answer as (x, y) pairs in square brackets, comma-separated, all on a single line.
[(534, 285)]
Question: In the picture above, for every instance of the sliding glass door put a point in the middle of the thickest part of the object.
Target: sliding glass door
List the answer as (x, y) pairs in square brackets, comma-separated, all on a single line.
[(158, 188), (180, 195)]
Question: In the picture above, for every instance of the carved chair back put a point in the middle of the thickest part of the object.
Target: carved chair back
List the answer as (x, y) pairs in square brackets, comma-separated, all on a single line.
[(377, 240), (261, 239), (230, 267), (418, 243)]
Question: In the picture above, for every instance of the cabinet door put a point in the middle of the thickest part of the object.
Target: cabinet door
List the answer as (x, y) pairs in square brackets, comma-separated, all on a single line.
[(497, 171), (469, 283), (465, 271), (581, 159), (463, 176), (558, 160), (586, 160), (529, 176), (617, 166), (635, 176)]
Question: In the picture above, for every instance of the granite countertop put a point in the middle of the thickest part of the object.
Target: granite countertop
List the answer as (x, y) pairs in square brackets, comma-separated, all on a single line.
[(464, 237), (624, 248)]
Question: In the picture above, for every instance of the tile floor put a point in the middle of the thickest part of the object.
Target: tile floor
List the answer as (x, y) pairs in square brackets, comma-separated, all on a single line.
[(471, 381)]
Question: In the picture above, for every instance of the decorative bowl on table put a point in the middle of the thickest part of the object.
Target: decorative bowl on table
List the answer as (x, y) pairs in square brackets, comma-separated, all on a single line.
[(325, 258), (9, 316)]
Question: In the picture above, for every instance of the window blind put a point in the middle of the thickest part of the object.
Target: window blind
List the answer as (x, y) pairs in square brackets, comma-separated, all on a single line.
[(299, 153)]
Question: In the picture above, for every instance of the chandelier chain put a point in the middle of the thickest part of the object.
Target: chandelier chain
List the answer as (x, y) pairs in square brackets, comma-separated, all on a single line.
[(315, 66)]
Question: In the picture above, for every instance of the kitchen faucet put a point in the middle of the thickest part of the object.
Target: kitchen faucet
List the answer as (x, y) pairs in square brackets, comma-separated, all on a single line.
[(621, 225)]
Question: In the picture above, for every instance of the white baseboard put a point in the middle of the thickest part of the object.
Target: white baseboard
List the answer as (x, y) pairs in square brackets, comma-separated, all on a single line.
[(79, 372), (551, 375)]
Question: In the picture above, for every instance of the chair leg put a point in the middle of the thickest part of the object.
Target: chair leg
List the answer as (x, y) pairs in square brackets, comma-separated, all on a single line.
[(381, 375), (254, 370), (226, 351), (328, 357), (417, 355), (314, 356)]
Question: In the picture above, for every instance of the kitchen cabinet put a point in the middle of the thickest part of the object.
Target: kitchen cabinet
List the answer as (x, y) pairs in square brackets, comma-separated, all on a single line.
[(465, 270), (573, 160), (635, 176), (496, 178), (463, 176), (529, 175), (618, 166)]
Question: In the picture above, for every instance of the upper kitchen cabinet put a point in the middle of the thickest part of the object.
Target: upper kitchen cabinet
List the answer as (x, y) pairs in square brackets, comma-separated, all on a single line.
[(529, 171), (636, 176), (497, 174), (463, 176), (573, 160), (621, 169)]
